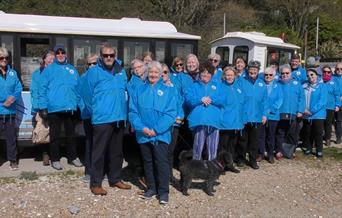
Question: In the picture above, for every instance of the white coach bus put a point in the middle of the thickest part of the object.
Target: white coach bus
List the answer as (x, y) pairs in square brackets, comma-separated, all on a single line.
[(27, 36), (253, 46)]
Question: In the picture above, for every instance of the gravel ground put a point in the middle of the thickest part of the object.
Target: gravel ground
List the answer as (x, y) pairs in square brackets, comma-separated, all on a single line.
[(303, 187)]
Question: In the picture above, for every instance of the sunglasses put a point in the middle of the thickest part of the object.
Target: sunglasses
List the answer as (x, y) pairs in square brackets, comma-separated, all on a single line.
[(213, 60), (112, 55), (327, 71), (92, 63), (338, 68), (179, 65), (285, 73), (60, 52), (3, 58), (165, 72), (270, 75)]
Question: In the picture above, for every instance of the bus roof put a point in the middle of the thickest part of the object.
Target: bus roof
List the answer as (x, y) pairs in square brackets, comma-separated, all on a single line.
[(258, 38), (125, 27)]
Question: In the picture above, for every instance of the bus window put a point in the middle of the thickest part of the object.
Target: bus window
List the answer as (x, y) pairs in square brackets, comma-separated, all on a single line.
[(280, 55), (181, 49), (241, 51), (160, 51), (30, 56), (224, 53), (134, 49), (7, 42)]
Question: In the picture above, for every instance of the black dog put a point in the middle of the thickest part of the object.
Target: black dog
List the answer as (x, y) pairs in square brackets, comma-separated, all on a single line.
[(209, 171)]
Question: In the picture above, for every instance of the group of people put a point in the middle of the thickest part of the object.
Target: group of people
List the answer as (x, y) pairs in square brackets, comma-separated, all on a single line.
[(237, 109)]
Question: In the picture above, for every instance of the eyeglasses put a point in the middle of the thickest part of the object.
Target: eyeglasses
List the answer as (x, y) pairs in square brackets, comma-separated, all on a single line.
[(179, 65), (3, 58), (92, 63), (165, 72), (285, 73), (338, 68), (270, 75), (60, 52), (213, 60), (327, 71), (112, 55)]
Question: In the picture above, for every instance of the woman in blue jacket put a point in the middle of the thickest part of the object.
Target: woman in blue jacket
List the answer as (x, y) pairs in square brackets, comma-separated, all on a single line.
[(274, 102), (255, 111), (231, 114), (314, 114), (338, 115), (10, 91), (152, 112), (333, 103), (47, 59), (291, 109), (205, 102)]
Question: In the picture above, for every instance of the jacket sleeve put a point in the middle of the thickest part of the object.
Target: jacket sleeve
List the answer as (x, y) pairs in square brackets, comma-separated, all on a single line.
[(301, 99), (133, 113), (43, 91), (192, 98), (322, 101), (264, 102), (168, 116), (337, 95), (18, 89)]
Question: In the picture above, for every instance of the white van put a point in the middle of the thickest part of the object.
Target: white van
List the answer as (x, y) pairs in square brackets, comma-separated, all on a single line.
[(253, 46)]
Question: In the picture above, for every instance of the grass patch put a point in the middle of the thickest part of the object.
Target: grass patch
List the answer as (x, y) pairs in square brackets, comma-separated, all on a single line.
[(29, 175), (334, 153), (7, 180)]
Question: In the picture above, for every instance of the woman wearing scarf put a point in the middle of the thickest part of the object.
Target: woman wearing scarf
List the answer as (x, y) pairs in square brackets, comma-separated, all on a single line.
[(314, 114), (333, 102)]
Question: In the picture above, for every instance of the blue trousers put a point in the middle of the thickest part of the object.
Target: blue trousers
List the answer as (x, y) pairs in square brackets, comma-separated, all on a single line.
[(156, 166), (205, 135), (7, 125)]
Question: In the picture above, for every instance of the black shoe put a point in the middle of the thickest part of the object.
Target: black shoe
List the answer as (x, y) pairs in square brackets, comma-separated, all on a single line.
[(253, 165), (240, 163), (338, 141), (231, 168), (271, 160), (307, 152)]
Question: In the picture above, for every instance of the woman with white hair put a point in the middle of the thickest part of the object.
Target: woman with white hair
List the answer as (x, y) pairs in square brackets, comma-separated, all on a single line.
[(152, 112), (215, 60), (274, 102), (10, 91)]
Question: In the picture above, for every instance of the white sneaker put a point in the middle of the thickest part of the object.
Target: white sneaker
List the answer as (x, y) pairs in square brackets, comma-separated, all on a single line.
[(76, 163), (57, 165)]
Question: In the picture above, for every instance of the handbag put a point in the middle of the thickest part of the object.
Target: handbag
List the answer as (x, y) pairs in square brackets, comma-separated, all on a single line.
[(41, 132)]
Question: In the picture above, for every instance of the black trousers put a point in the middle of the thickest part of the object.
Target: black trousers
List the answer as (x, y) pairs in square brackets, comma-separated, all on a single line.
[(338, 123), (88, 129), (267, 137), (175, 133), (156, 166), (107, 155), (286, 133), (313, 134), (328, 124), (55, 122), (249, 142), (228, 142), (7, 126)]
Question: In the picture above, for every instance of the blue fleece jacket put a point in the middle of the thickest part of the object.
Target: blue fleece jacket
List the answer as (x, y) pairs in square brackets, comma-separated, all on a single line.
[(34, 89), (58, 84), (299, 74), (154, 107), (233, 104), (317, 101), (134, 83), (9, 86), (256, 96), (199, 113), (85, 96), (274, 100), (293, 97), (338, 80), (333, 95), (108, 93)]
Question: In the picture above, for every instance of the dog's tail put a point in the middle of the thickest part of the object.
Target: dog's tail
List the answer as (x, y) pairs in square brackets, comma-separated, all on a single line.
[(185, 156)]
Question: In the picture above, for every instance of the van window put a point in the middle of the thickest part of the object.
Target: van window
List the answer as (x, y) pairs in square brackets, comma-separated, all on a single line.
[(280, 55), (224, 53), (241, 51)]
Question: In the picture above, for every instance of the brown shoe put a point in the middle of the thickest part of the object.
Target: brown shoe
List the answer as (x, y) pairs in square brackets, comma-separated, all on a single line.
[(259, 158), (46, 159), (120, 185), (96, 190)]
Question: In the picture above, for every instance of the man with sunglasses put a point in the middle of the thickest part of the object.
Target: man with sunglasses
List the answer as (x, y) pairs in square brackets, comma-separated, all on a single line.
[(337, 77), (107, 83), (10, 91), (57, 102)]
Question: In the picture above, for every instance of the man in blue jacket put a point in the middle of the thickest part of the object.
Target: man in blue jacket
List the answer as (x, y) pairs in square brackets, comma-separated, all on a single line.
[(10, 91), (107, 83), (298, 73), (57, 102)]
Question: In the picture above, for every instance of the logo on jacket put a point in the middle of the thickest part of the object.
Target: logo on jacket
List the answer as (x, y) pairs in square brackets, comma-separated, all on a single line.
[(260, 84), (331, 82), (11, 73), (295, 82), (298, 73), (160, 92), (71, 71), (239, 90), (213, 87)]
